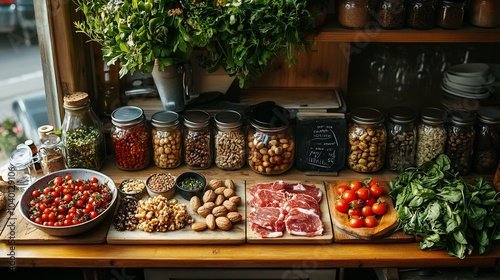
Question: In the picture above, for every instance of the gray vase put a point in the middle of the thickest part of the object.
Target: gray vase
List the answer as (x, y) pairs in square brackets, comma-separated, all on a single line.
[(171, 85)]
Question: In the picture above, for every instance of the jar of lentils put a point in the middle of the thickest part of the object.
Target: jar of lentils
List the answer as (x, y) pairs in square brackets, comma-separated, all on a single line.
[(421, 14), (197, 139), (271, 144), (450, 14), (167, 139), (354, 13), (391, 14), (130, 138), (485, 13), (367, 138), (487, 143), (431, 133), (401, 138), (460, 141), (229, 140)]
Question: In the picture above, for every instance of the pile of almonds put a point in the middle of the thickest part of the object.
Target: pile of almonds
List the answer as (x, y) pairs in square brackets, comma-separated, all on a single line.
[(219, 206)]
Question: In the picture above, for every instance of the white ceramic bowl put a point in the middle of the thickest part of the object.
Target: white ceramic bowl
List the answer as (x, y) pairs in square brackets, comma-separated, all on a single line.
[(470, 69)]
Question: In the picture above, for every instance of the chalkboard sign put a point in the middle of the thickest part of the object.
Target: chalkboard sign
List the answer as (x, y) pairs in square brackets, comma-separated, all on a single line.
[(321, 142)]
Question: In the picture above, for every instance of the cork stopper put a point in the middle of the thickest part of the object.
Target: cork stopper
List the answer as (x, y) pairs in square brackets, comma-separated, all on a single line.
[(76, 99), (45, 129)]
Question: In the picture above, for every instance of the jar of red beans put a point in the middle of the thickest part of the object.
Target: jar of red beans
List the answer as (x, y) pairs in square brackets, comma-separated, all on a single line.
[(197, 139), (167, 139), (460, 141), (130, 138)]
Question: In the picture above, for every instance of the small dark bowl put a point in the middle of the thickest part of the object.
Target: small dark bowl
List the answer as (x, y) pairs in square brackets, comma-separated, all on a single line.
[(138, 194), (187, 194)]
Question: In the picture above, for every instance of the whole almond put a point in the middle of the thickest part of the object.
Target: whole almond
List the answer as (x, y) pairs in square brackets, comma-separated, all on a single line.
[(234, 217), (214, 184), (199, 226), (230, 206), (235, 199), (220, 190), (209, 205), (203, 211), (209, 196), (229, 184), (223, 223), (195, 203), (229, 193), (210, 221), (219, 200), (220, 211)]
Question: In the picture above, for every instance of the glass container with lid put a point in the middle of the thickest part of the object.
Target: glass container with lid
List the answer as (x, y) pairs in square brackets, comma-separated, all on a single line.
[(197, 139), (167, 139), (450, 14), (421, 14), (354, 13), (21, 162), (485, 13), (460, 141), (51, 154), (431, 133), (487, 143), (229, 140), (391, 14), (401, 138)]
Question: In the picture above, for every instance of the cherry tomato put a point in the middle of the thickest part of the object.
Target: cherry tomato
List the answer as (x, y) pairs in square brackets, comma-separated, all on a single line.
[(46, 190), (356, 222), (67, 222), (93, 214), (58, 180), (370, 222), (67, 198), (79, 203), (62, 209), (340, 189), (35, 193), (68, 177), (94, 180), (349, 195), (342, 205), (376, 190), (355, 185), (374, 181), (379, 208), (363, 193), (370, 201), (366, 211), (354, 212), (357, 203)]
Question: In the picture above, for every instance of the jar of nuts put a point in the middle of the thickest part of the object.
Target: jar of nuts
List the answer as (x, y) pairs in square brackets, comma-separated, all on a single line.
[(229, 140), (431, 133), (167, 139), (391, 14), (487, 143), (367, 138), (271, 144), (460, 141), (401, 138), (197, 139)]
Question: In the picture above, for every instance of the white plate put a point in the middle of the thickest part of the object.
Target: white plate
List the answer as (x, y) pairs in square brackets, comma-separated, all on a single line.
[(470, 69), (465, 95), (465, 88), (471, 81)]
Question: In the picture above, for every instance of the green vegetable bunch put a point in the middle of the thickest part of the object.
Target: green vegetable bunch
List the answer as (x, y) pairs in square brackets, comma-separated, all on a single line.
[(448, 212)]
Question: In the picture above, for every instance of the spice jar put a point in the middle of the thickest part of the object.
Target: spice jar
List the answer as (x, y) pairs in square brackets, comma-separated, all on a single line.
[(271, 144), (420, 14), (353, 13), (197, 139), (167, 139), (485, 13), (367, 138), (391, 14), (81, 133), (460, 141), (21, 163), (130, 138), (51, 154), (229, 140), (401, 138), (450, 14), (431, 133), (487, 143)]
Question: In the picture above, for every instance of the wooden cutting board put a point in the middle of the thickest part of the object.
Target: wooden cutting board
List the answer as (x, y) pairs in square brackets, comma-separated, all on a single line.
[(186, 235), (327, 236)]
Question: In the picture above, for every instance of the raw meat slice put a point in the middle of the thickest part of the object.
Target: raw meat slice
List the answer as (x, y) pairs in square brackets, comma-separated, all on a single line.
[(270, 218), (311, 190), (303, 201), (265, 233), (304, 223), (275, 186), (267, 198)]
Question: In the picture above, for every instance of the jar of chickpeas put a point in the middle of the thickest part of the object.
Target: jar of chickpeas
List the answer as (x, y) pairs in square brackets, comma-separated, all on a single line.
[(167, 139)]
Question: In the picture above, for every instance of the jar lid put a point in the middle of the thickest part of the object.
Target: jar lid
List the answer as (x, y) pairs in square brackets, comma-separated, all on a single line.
[(228, 119), (22, 156), (462, 117), (165, 119), (489, 115), (402, 114), (196, 118), (127, 115), (367, 115), (432, 115), (50, 141), (76, 99), (270, 116)]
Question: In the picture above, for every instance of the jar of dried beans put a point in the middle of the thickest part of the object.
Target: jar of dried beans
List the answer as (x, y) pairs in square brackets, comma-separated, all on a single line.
[(197, 139), (51, 154), (391, 14), (167, 139), (367, 137), (229, 140), (460, 141), (485, 13), (130, 138), (431, 133), (487, 143), (420, 14), (401, 138), (354, 13), (450, 14)]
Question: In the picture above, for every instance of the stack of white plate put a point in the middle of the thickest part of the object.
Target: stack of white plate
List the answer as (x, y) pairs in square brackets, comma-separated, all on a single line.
[(470, 81)]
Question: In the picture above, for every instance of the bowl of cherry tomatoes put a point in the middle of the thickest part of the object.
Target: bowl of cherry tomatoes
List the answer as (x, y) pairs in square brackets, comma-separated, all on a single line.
[(69, 202)]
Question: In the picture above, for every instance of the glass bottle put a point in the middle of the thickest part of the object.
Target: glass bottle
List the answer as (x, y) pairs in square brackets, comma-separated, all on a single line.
[(367, 140), (450, 14), (431, 133), (401, 138), (391, 14), (21, 162), (229, 140), (354, 13), (197, 139), (108, 83), (82, 136), (130, 138), (167, 139), (421, 14), (51, 154), (460, 141), (485, 13), (487, 143)]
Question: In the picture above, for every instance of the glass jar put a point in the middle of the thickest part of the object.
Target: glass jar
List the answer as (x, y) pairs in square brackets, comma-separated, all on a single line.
[(487, 143), (271, 144), (431, 133), (401, 138), (51, 154), (460, 141), (82, 136), (229, 141), (450, 14), (391, 14), (130, 138), (367, 137), (197, 140), (354, 13), (21, 162), (167, 139), (485, 13), (420, 14)]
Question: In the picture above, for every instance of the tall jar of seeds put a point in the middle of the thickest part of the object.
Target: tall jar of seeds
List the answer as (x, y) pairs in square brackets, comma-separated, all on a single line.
[(460, 141), (167, 139), (487, 143), (229, 140), (197, 139), (431, 133), (367, 137), (401, 138), (421, 14), (82, 136), (390, 14)]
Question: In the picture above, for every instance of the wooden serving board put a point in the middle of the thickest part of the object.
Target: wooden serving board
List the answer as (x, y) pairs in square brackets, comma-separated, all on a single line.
[(186, 235), (287, 238)]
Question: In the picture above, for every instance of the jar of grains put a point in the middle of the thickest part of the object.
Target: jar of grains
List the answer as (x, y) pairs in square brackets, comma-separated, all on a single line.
[(367, 138), (51, 154), (130, 138), (197, 139), (487, 143), (485, 13), (391, 14), (354, 13), (229, 140), (271, 144), (420, 14), (82, 136), (450, 14), (460, 141), (167, 139), (431, 133), (401, 138)]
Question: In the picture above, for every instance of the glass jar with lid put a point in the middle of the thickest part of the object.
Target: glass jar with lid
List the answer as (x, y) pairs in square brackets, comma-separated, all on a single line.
[(460, 141), (367, 137), (421, 14), (51, 154), (401, 138), (229, 140), (487, 143), (197, 139), (271, 143), (450, 14), (167, 139), (391, 14), (130, 138), (431, 131), (354, 13), (22, 164), (82, 135), (485, 13)]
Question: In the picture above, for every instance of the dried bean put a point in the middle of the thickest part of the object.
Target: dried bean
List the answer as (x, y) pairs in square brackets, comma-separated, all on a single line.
[(197, 149), (431, 142), (161, 182), (167, 148), (367, 147), (229, 149)]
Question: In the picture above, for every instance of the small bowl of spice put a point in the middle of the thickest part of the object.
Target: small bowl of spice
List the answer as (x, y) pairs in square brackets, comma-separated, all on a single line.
[(190, 184), (161, 184), (132, 187)]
